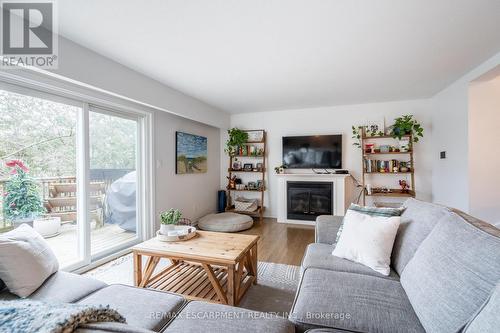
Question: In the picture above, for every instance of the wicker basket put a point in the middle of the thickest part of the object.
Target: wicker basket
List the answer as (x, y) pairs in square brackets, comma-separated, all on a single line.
[(185, 221)]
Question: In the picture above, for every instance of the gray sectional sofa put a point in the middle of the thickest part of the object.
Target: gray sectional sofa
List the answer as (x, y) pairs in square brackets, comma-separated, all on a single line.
[(445, 267), (150, 311)]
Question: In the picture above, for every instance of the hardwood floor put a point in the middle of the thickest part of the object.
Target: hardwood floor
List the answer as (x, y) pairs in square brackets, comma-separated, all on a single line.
[(281, 243)]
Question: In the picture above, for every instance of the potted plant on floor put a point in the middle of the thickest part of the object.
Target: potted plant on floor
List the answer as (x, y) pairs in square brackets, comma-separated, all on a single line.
[(169, 219), (21, 202), (237, 138)]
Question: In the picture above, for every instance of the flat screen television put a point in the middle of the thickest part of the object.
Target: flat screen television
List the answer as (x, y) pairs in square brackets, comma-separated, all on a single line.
[(312, 152)]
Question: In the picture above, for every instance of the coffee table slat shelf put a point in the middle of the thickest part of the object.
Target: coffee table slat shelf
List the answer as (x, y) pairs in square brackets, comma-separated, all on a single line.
[(215, 267)]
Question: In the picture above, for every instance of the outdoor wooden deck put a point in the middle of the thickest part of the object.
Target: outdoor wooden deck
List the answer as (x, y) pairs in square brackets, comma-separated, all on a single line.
[(65, 245)]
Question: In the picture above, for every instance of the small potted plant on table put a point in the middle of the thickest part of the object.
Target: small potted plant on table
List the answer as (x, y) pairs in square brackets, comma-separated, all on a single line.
[(169, 219)]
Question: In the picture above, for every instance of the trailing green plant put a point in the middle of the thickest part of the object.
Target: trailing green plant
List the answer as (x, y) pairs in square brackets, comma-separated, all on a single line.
[(406, 125), (171, 216), (21, 194), (356, 136), (357, 132), (237, 137)]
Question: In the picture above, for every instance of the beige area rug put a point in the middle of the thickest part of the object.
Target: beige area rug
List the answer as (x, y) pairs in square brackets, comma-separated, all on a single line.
[(273, 293)]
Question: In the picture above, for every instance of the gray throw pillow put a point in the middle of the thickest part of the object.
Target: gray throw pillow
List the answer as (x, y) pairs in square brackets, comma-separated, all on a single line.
[(371, 211)]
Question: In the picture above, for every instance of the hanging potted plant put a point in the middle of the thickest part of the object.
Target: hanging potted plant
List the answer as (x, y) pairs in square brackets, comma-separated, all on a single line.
[(21, 202), (237, 138), (169, 219), (406, 125)]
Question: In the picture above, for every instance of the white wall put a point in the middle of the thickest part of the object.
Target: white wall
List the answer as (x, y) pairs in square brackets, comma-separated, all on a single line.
[(333, 120), (83, 65), (484, 137), (195, 194), (450, 183)]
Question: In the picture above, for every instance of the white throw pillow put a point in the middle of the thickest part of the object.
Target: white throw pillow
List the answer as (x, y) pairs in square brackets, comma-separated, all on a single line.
[(368, 240), (26, 260)]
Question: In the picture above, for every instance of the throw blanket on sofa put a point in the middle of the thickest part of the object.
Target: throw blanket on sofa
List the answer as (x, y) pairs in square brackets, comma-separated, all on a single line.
[(41, 317)]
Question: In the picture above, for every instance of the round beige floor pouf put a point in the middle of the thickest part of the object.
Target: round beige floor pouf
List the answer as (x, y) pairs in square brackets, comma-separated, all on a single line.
[(225, 222)]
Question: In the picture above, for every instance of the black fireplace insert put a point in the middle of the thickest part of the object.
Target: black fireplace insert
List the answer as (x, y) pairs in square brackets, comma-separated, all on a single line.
[(307, 200)]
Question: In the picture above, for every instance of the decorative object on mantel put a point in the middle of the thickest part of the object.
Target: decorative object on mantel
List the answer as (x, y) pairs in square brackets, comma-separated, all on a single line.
[(248, 145), (169, 219), (280, 169), (237, 138)]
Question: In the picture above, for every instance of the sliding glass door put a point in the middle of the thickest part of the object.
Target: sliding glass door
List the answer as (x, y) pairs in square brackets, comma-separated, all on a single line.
[(71, 171), (114, 149)]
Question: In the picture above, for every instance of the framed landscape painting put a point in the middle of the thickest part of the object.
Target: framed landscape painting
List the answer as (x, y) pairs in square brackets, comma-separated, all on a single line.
[(191, 153)]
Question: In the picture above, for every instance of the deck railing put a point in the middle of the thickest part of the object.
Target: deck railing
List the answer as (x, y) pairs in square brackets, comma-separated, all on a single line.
[(105, 176)]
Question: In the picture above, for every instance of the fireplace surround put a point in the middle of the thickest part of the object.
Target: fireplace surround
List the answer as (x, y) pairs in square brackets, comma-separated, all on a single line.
[(343, 192)]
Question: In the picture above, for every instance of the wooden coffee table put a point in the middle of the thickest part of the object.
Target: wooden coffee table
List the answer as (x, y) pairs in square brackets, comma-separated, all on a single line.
[(213, 266)]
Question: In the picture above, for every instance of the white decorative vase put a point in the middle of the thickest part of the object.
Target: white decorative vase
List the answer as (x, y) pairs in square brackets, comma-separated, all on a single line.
[(47, 227), (165, 228)]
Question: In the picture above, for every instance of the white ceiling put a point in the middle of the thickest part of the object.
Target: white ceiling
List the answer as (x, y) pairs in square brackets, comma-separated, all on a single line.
[(257, 55)]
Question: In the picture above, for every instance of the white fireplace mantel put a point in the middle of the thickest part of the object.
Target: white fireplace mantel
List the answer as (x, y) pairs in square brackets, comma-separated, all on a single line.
[(343, 191)]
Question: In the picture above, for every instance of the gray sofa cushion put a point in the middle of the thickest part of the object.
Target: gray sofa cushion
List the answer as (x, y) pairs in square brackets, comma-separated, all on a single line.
[(488, 318), (352, 302), (62, 287), (201, 317), (417, 221), (320, 256), (144, 308), (327, 227), (66, 287), (452, 274)]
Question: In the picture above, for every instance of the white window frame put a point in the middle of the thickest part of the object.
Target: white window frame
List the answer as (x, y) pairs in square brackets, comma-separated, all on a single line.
[(47, 87)]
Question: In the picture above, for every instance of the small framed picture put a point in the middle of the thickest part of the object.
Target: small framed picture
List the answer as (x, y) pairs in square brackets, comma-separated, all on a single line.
[(375, 127), (236, 165), (260, 184), (252, 185), (259, 166), (255, 136), (248, 166)]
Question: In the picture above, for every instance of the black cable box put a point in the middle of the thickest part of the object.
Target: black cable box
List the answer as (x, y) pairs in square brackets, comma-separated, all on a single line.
[(342, 172)]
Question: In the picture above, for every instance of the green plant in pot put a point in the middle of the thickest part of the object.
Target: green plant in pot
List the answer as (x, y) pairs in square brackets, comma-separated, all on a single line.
[(169, 219), (407, 125), (21, 202), (237, 137)]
